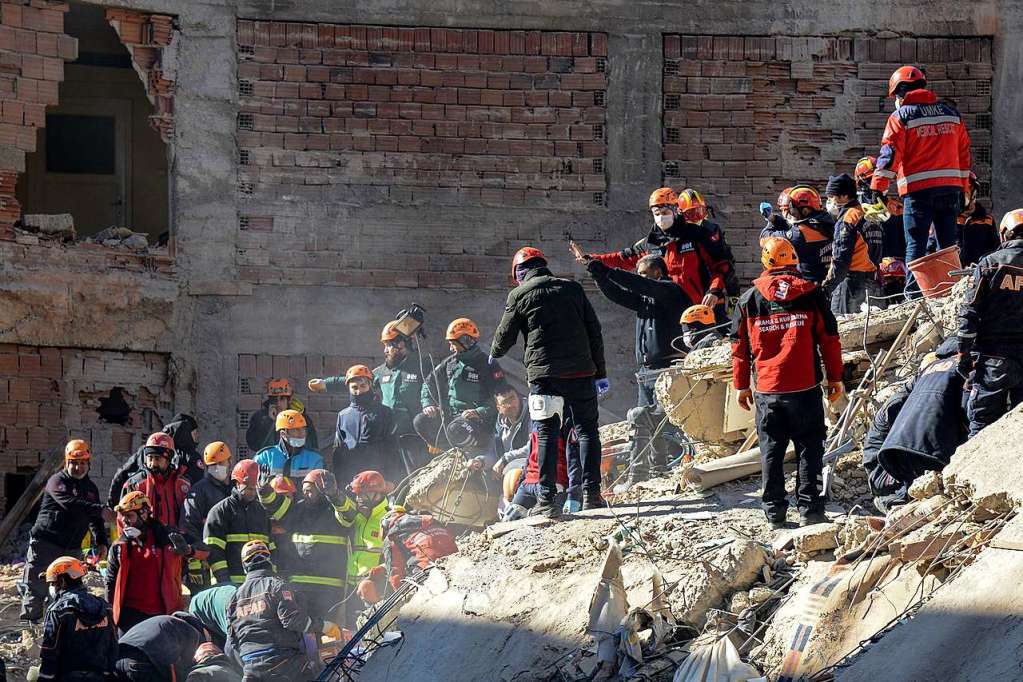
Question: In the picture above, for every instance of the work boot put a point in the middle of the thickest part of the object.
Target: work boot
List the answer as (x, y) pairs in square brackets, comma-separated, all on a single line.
[(809, 518), (546, 508), (777, 523), (593, 500)]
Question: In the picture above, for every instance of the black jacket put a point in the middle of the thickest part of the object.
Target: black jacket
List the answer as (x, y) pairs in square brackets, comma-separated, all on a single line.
[(165, 641), (203, 496), (320, 536), (265, 616), (70, 506), (230, 524), (188, 458), (262, 431), (658, 305), (811, 238), (131, 466), (364, 439), (992, 318), (978, 236), (78, 636), (216, 669), (880, 482), (561, 329)]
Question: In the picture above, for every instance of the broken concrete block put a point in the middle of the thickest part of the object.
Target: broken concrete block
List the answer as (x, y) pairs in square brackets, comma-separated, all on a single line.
[(739, 602), (991, 506), (758, 595), (57, 224), (926, 486), (809, 539), (926, 548)]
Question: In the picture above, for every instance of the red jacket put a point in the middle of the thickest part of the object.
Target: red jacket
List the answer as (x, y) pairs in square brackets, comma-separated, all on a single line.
[(533, 463), (925, 144), (697, 256), (781, 328), (136, 566), (415, 538), (166, 494)]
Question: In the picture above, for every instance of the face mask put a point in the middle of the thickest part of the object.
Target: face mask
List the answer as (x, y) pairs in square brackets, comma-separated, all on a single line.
[(664, 221), (363, 399), (132, 533), (689, 338), (295, 442), (833, 207), (53, 591), (898, 103), (218, 471)]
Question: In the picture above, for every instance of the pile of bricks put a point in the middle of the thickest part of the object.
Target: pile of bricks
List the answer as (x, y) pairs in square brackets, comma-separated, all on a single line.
[(33, 49), (745, 117), (146, 36), (472, 117), (49, 395), (29, 252)]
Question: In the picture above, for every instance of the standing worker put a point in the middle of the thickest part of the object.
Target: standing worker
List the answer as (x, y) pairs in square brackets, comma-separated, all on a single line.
[(214, 487), (781, 329), (69, 508), (371, 491), (291, 456), (975, 226), (564, 358), (364, 435), (807, 227), (991, 328), (164, 485), (852, 276), (234, 521), (262, 431), (926, 149)]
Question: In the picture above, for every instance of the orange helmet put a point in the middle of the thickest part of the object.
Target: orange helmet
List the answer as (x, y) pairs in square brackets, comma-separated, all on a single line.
[(778, 253), (463, 326), (279, 388), (390, 332), (160, 440), (903, 76), (77, 450), (215, 453), (526, 253), (699, 313), (246, 472), (255, 551), (371, 482), (692, 206), (289, 419), (133, 501), (663, 196), (320, 478), (358, 371), (803, 196), (864, 172), (1011, 223), (783, 199), (65, 565), (283, 485), (206, 650)]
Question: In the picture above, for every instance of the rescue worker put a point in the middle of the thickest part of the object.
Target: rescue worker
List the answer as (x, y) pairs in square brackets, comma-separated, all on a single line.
[(234, 521), (808, 228), (658, 303), (284, 551), (159, 649), (364, 435), (214, 487), (268, 626), (458, 395), (926, 149), (413, 541), (70, 507), (145, 566), (164, 486), (371, 491), (892, 277), (697, 257), (211, 665), (884, 488), (262, 431), (527, 494), (781, 329), (852, 276), (511, 438), (320, 525), (79, 640), (888, 217), (975, 227), (699, 328), (210, 606), (991, 328), (184, 431), (564, 359), (291, 456)]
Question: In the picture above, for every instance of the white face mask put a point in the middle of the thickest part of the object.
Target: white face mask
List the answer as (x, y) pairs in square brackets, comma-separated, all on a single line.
[(664, 221), (132, 533), (898, 103), (295, 442), (688, 338), (833, 207), (218, 471), (53, 591)]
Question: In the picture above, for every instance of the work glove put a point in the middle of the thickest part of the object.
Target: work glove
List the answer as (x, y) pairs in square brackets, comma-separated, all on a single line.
[(317, 385), (331, 630), (178, 544), (603, 386), (765, 209), (265, 477), (835, 390)]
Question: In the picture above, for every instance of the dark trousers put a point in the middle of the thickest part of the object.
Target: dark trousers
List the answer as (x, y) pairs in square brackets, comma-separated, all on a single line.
[(130, 618), (528, 493), (580, 414), (851, 293), (134, 666), (799, 418), (33, 587), (293, 667), (997, 388), (937, 206), (575, 467), (905, 466), (649, 455)]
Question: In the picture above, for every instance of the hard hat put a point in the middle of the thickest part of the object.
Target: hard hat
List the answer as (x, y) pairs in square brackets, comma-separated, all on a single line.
[(66, 565), (390, 332), (205, 651), (526, 253), (699, 313), (358, 371), (279, 388), (783, 199), (371, 482), (692, 206), (463, 326), (289, 419), (892, 268), (283, 485), (663, 196), (77, 451), (778, 253), (510, 483), (804, 196), (254, 552), (160, 440), (1011, 223), (320, 477), (215, 453), (246, 472), (865, 169), (133, 501), (397, 509), (903, 76)]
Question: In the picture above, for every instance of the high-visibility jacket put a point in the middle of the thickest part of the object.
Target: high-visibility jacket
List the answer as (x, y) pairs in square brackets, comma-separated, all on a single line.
[(367, 543), (925, 145), (230, 524), (850, 251), (320, 534)]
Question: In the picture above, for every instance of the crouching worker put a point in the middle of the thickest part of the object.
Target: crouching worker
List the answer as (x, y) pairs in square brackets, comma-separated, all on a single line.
[(527, 495), (211, 665), (780, 330), (699, 329), (79, 639), (159, 649)]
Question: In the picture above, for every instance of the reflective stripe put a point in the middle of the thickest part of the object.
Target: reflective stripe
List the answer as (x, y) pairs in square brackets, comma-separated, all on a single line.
[(245, 537), (884, 173), (218, 565), (967, 335), (269, 498), (313, 539), (932, 120), (282, 510), (316, 580), (216, 542), (932, 174), (194, 565)]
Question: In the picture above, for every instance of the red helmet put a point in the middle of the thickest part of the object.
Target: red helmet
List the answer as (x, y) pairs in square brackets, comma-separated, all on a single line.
[(371, 482), (526, 253), (160, 440), (802, 196), (246, 472), (283, 485), (904, 75), (320, 478), (865, 169)]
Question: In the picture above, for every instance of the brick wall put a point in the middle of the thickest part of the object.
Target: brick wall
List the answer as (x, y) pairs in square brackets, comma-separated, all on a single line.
[(148, 37), (33, 49), (745, 117), (49, 395)]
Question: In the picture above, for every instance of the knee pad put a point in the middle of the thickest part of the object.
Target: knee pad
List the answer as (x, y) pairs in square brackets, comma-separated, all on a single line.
[(546, 406)]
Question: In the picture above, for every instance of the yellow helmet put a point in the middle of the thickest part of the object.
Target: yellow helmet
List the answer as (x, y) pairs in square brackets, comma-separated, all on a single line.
[(289, 419), (692, 206)]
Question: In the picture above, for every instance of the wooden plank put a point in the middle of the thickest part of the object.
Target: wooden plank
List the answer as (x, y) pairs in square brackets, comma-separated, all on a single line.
[(32, 493)]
